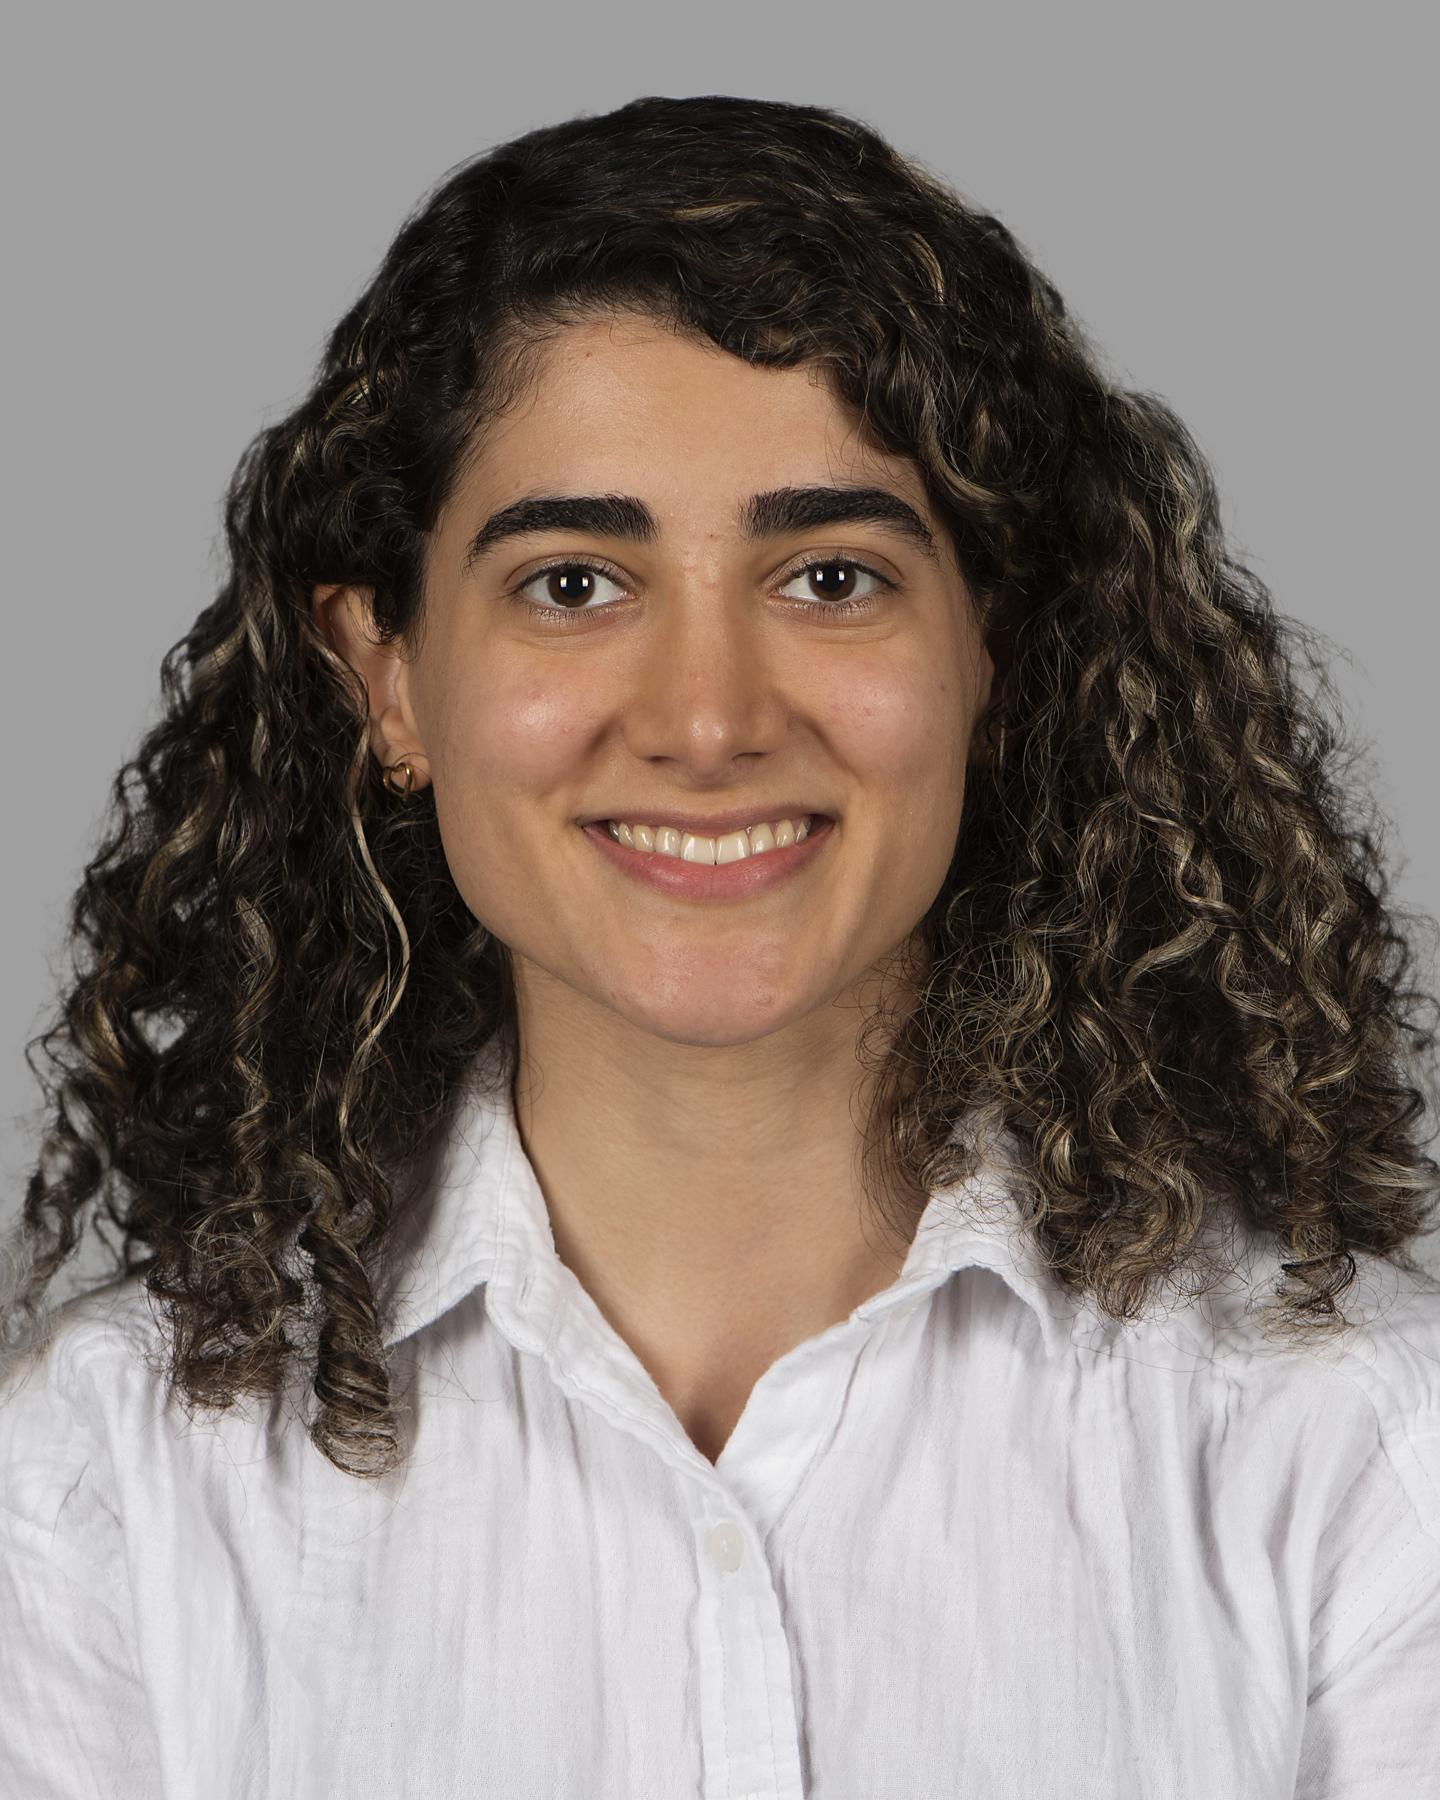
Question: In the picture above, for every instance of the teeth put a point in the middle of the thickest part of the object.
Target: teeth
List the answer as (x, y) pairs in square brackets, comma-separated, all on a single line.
[(664, 840)]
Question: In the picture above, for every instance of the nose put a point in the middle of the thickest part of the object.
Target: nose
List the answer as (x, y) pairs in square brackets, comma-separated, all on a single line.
[(707, 687)]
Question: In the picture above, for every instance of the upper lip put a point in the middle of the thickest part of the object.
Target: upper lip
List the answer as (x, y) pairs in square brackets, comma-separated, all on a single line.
[(712, 824)]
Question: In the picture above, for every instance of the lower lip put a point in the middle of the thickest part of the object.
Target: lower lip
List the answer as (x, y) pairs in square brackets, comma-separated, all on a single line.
[(712, 881)]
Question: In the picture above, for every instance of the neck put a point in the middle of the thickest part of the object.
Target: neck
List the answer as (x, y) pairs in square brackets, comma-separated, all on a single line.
[(710, 1200)]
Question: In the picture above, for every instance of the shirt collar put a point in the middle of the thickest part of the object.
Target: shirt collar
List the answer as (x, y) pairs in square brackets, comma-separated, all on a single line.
[(472, 1212)]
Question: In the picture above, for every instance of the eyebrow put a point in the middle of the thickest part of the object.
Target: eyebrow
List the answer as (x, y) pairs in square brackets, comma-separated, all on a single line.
[(770, 514)]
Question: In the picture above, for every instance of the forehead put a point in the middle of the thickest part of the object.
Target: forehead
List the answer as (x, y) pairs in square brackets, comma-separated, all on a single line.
[(627, 401)]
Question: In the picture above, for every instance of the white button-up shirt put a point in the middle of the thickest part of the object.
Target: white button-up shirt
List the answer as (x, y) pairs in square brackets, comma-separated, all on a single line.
[(972, 1540)]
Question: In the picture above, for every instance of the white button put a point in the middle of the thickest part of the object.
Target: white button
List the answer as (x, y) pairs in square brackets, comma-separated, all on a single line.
[(726, 1547)]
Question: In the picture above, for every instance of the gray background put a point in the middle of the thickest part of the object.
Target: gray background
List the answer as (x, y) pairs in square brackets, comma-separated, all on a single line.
[(1235, 199)]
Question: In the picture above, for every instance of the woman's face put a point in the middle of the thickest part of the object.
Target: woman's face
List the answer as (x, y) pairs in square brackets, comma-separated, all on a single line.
[(679, 671)]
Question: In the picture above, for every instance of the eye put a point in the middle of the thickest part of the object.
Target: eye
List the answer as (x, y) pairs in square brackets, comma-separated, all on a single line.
[(568, 586), (836, 588)]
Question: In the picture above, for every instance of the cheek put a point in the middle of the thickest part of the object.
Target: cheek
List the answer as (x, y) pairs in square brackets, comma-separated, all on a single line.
[(507, 736), (497, 747), (900, 726)]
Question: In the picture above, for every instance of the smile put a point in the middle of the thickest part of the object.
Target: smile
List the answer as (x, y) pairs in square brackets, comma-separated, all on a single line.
[(731, 846), (687, 866)]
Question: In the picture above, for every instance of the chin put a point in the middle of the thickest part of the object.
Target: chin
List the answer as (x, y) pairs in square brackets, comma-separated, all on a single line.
[(710, 1028)]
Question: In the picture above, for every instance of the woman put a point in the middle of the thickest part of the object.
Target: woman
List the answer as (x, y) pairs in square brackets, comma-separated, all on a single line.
[(743, 1049)]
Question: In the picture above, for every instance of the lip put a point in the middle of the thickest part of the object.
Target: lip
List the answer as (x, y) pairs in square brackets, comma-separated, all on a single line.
[(716, 824), (713, 881)]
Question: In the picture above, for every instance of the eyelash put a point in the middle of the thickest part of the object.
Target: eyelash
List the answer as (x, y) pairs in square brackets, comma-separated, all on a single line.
[(831, 608)]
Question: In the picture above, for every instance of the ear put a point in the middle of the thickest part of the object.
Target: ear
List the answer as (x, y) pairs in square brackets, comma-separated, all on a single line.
[(991, 710), (1000, 646), (345, 618)]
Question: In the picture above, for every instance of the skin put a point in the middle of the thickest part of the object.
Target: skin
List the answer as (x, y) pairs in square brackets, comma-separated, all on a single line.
[(689, 1093)]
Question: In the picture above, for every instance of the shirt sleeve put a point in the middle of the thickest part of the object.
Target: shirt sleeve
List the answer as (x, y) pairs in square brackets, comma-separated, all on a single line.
[(74, 1721)]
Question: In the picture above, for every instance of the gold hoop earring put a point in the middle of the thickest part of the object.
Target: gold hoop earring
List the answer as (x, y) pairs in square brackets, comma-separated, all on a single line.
[(390, 771)]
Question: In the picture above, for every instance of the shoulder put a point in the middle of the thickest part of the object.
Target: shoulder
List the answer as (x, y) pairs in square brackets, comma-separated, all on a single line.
[(1377, 1567), (101, 1338), (1340, 1413), (1344, 1434), (90, 1422), (1373, 1386), (65, 1387), (1373, 1389), (88, 1400), (1391, 1360), (1322, 1457), (60, 1396)]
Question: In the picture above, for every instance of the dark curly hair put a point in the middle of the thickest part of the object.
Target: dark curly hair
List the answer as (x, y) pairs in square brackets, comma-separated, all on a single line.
[(1163, 956)]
